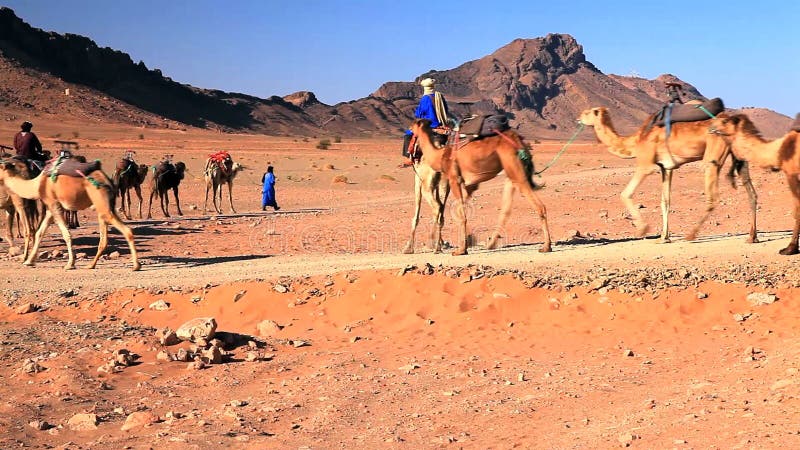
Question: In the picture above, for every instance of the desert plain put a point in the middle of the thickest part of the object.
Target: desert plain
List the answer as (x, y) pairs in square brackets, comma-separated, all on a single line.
[(332, 338)]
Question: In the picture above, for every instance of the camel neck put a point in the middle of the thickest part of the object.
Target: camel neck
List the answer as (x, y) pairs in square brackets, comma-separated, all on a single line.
[(757, 150), (28, 189), (617, 145)]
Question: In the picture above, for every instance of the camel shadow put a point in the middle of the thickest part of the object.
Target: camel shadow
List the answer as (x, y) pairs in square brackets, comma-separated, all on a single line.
[(570, 244), (763, 236), (160, 261)]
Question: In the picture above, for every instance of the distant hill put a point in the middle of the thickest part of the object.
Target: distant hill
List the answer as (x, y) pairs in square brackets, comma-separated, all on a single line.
[(542, 84)]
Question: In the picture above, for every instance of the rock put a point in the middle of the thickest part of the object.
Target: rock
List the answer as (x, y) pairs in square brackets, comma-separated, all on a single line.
[(166, 336), (280, 288), (40, 425), (213, 355), (627, 352), (139, 419), (82, 422), (113, 255), (251, 357), (268, 328), (31, 366), (701, 295), (183, 355), (27, 308), (159, 305), (163, 356), (625, 439), (123, 357), (196, 329), (298, 343), (197, 364), (760, 298), (238, 296)]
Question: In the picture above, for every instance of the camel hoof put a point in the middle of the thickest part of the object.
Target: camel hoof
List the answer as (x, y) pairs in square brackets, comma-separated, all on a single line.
[(691, 236), (408, 250), (69, 267), (790, 250), (28, 263), (664, 240), (642, 230), (545, 249), (460, 252), (753, 240), (492, 243), (136, 267)]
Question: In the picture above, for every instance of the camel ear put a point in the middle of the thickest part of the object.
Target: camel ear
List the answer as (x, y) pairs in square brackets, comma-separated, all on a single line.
[(735, 120), (597, 111)]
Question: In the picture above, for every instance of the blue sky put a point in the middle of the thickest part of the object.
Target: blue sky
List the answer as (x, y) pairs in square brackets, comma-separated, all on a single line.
[(742, 51)]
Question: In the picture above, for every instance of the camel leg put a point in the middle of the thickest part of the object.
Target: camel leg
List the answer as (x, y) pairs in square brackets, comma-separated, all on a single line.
[(205, 203), (138, 190), (666, 187), (9, 235), (639, 175), (217, 206), (794, 186), (127, 206), (150, 205), (457, 186), (177, 200), (31, 259), (415, 218), (752, 196), (128, 234), (62, 225), (442, 191), (711, 190), (542, 211), (101, 246), (505, 213), (164, 197), (230, 196)]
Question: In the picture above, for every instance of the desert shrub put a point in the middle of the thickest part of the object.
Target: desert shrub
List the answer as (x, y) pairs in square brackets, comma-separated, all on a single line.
[(340, 179), (75, 134), (324, 144), (337, 139), (141, 135)]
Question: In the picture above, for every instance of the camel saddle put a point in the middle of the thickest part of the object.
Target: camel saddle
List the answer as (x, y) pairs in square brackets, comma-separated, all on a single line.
[(223, 160), (689, 112), (483, 126), (796, 124), (71, 167)]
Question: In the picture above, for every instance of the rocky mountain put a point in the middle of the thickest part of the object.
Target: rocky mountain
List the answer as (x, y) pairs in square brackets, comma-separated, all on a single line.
[(542, 84)]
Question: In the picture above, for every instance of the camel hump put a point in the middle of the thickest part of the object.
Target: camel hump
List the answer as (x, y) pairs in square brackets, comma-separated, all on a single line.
[(74, 168), (796, 124)]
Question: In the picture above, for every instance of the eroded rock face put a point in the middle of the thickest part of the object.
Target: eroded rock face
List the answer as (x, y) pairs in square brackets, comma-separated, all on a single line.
[(201, 328)]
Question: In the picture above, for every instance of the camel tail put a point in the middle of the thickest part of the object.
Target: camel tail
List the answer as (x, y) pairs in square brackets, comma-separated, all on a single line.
[(525, 157)]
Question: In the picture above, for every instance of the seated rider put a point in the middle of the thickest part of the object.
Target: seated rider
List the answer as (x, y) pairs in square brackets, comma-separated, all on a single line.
[(432, 106), (27, 145)]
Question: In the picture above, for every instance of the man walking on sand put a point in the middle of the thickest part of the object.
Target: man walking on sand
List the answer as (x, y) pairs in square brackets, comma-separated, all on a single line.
[(268, 190)]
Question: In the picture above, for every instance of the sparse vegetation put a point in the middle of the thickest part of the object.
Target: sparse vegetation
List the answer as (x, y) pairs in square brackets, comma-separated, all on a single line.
[(324, 144), (340, 179), (75, 134), (337, 139), (141, 135)]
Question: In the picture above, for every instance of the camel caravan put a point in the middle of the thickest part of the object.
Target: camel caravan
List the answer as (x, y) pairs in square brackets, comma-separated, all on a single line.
[(449, 160)]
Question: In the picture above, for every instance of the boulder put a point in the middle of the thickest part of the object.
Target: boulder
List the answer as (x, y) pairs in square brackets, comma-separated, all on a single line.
[(202, 328)]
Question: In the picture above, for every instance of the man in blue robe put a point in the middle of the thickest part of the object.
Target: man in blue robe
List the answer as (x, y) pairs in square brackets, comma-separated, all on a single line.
[(268, 191), (432, 106)]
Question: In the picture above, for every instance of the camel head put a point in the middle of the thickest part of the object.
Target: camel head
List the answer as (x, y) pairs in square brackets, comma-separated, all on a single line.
[(236, 168), (420, 126), (141, 172), (11, 168), (728, 126), (594, 116), (180, 167)]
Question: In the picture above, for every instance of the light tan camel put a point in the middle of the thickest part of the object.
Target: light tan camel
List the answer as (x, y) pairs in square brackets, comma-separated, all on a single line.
[(688, 142), (781, 154), (216, 177), (434, 188), (73, 194), (23, 210), (479, 161)]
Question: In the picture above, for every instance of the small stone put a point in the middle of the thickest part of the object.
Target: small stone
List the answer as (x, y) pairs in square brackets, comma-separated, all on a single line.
[(280, 288), (197, 364), (298, 343), (27, 308), (82, 422), (182, 355), (701, 295), (159, 305), (113, 255), (238, 403), (163, 355), (500, 295), (268, 328), (760, 298), (238, 296), (213, 355), (31, 366), (627, 352), (139, 419), (39, 425), (166, 336), (251, 357)]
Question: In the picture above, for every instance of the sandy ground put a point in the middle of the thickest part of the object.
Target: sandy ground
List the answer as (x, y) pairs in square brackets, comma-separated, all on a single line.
[(607, 341)]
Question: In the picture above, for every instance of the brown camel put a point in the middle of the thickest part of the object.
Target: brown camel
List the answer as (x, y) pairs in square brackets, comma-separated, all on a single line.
[(73, 194), (478, 161), (128, 176), (166, 176), (434, 188), (688, 142), (781, 154), (217, 175)]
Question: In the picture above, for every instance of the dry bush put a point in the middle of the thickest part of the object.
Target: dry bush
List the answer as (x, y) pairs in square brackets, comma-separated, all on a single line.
[(340, 179)]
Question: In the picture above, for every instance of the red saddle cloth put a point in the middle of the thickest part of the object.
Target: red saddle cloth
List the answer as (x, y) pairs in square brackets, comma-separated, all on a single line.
[(222, 159)]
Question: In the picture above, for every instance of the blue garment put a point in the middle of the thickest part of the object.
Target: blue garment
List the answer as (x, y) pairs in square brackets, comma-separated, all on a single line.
[(268, 191), (426, 110)]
